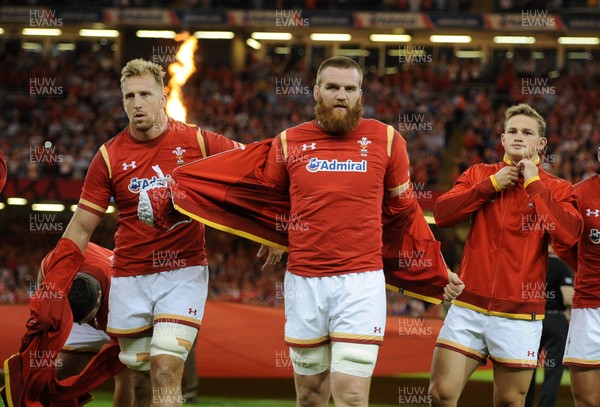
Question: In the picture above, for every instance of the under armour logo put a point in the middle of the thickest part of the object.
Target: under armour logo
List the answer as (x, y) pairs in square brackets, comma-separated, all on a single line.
[(530, 353), (312, 146), (128, 166), (590, 212), (192, 311), (377, 330)]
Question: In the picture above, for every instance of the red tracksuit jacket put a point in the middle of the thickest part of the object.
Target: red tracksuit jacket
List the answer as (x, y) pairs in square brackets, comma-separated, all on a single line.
[(505, 255)]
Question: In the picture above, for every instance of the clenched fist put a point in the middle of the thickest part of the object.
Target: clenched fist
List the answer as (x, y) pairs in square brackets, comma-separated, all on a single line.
[(507, 177)]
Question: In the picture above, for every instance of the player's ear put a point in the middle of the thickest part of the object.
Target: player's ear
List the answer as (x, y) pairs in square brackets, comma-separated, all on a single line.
[(543, 142), (316, 92)]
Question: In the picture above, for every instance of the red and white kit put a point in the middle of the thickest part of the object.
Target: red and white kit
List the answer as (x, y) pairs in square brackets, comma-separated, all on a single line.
[(121, 169), (337, 186), (504, 262), (583, 347)]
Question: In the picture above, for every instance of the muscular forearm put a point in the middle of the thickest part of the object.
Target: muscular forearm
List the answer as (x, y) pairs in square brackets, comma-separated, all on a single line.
[(81, 227)]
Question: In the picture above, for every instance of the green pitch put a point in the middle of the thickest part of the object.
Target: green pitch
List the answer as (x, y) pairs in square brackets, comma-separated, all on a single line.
[(487, 375), (103, 399)]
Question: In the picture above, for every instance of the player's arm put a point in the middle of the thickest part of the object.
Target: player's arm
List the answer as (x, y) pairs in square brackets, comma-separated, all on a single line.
[(81, 227), (79, 231), (94, 200), (399, 198), (558, 213), (568, 254), (566, 288), (275, 174), (469, 192), (567, 294)]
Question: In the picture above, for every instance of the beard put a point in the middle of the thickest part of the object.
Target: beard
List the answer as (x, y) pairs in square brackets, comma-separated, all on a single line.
[(143, 125), (148, 122), (334, 122)]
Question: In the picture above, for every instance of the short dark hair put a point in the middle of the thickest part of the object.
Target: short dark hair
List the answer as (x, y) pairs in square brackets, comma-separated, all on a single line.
[(83, 296), (342, 63)]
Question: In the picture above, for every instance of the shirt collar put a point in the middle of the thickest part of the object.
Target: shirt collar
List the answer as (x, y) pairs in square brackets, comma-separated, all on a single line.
[(508, 161)]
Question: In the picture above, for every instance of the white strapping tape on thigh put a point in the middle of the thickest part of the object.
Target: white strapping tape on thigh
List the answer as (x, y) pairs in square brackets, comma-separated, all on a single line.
[(356, 359), (311, 361), (135, 353), (172, 339)]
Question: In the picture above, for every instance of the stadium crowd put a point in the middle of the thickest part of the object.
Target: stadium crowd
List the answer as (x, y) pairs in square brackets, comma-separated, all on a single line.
[(429, 104)]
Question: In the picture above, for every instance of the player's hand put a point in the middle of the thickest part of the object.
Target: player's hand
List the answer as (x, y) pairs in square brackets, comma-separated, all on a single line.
[(527, 168), (507, 177), (454, 287), (273, 257)]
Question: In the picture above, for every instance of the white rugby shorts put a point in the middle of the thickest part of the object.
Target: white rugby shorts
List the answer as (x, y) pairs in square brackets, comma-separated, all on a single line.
[(85, 338), (583, 341), (136, 303), (508, 342), (345, 308)]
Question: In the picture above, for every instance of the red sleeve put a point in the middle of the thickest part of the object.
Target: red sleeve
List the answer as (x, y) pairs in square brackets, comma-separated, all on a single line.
[(61, 264), (217, 143), (568, 255), (96, 193), (559, 213), (275, 171), (397, 179), (465, 197), (49, 307)]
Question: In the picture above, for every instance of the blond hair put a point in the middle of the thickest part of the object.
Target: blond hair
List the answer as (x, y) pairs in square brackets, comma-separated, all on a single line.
[(141, 67), (526, 110), (341, 63)]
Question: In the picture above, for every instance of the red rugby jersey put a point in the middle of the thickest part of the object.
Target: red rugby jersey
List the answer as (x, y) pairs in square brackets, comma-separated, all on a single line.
[(584, 258), (98, 264), (504, 261), (336, 186), (122, 167)]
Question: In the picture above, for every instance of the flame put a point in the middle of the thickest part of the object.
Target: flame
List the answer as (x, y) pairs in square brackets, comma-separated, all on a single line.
[(180, 71)]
